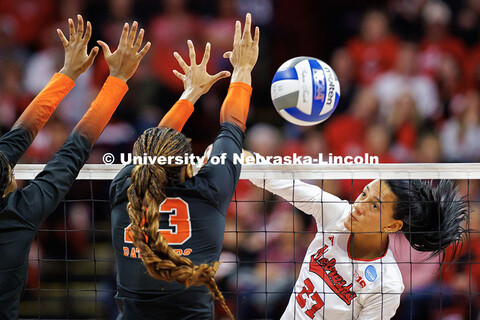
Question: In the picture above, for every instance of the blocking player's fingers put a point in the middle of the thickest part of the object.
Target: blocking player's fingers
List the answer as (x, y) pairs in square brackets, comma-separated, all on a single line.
[(246, 30), (133, 33), (256, 37), (71, 28), (91, 57), (179, 75), (80, 26), (227, 54), (238, 31), (221, 75), (62, 38), (105, 48), (139, 41), (124, 35), (88, 32), (206, 55), (191, 53), (181, 62), (144, 51)]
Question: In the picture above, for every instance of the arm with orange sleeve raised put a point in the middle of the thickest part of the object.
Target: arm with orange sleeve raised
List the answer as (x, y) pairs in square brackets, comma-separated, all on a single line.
[(16, 142), (243, 58), (196, 82), (45, 192)]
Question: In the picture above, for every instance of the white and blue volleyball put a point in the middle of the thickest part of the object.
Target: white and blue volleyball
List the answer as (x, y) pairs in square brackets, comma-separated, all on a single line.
[(305, 91)]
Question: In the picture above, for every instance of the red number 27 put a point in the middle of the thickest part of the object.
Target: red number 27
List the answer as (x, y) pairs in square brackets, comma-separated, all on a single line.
[(308, 291)]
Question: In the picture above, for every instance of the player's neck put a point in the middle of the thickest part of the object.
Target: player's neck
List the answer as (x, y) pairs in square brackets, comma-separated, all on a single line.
[(367, 246)]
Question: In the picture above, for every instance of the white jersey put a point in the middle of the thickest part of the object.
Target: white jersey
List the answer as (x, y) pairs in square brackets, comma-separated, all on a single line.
[(332, 285)]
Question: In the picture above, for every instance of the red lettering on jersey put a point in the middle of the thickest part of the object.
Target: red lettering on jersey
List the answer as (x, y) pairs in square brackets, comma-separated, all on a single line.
[(326, 270), (359, 279), (132, 253), (308, 291), (331, 239)]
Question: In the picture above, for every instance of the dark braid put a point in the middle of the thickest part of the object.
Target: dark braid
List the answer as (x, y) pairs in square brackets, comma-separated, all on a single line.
[(4, 173), (145, 194)]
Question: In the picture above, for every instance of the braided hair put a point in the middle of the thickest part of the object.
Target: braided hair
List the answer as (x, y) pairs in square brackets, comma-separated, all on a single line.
[(4, 173), (145, 194), (432, 216)]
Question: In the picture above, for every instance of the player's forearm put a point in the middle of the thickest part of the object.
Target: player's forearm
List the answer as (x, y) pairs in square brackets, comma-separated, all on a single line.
[(178, 115), (44, 104), (242, 74), (102, 108), (236, 104)]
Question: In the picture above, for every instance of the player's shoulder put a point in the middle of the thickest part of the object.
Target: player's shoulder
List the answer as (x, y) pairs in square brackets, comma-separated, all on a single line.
[(120, 184)]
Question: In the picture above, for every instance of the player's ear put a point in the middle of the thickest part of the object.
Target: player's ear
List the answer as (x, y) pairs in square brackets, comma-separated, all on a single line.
[(189, 171)]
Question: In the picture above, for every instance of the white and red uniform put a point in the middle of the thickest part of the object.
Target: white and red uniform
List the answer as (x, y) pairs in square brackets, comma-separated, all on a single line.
[(331, 284)]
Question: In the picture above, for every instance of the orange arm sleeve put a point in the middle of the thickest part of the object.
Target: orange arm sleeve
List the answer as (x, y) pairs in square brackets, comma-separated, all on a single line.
[(41, 108), (178, 115), (102, 108), (236, 104)]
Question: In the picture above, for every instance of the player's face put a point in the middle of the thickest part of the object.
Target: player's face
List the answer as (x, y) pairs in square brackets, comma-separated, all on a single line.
[(373, 210)]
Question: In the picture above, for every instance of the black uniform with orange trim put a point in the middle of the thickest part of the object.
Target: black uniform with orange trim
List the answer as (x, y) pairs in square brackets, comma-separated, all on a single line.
[(23, 210), (192, 221)]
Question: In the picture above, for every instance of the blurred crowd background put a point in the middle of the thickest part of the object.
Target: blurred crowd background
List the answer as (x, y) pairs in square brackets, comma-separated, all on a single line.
[(410, 77)]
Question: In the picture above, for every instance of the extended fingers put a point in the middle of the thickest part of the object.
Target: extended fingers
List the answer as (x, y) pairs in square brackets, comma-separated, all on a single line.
[(91, 57), (238, 31), (88, 32), (133, 33), (191, 52), (181, 62), (71, 28), (179, 75), (206, 55), (80, 26), (256, 37), (139, 41), (123, 37), (62, 38), (221, 75), (145, 49), (105, 48), (248, 25)]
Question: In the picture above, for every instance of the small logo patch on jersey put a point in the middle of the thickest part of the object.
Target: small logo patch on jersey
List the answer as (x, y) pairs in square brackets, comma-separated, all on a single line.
[(370, 273)]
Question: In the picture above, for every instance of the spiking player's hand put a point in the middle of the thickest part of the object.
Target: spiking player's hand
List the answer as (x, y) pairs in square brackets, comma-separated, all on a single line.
[(125, 60), (196, 80), (244, 55), (77, 60)]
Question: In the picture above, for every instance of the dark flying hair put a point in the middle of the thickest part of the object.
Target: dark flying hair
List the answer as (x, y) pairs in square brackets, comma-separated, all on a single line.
[(4, 173), (432, 216)]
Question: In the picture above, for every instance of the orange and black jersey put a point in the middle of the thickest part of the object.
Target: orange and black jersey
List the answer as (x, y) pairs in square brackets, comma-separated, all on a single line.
[(23, 210), (192, 221)]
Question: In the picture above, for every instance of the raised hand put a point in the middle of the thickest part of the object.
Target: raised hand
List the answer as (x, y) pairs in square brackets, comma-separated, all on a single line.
[(244, 55), (77, 60), (125, 60), (196, 80)]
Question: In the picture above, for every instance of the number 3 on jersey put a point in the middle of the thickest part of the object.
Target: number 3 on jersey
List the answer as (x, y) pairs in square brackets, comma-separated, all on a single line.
[(178, 219)]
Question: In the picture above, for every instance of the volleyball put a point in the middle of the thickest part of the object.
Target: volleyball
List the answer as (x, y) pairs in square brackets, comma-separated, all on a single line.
[(305, 91)]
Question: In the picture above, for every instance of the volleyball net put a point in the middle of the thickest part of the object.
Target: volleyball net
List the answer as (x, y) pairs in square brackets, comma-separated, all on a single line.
[(72, 265)]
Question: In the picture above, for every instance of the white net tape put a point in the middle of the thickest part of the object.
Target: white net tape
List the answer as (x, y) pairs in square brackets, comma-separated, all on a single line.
[(315, 171)]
